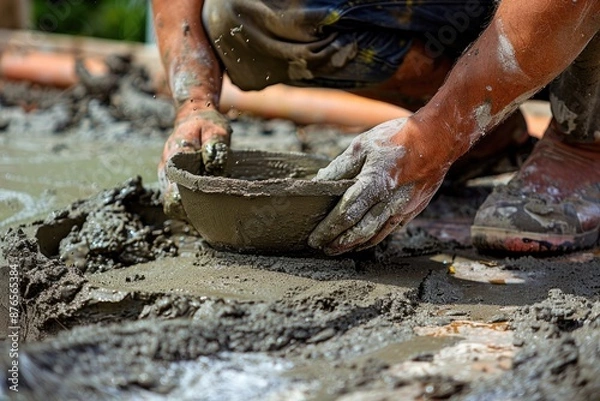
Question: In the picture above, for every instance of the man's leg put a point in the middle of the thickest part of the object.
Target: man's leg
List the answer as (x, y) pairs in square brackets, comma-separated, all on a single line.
[(415, 81), (553, 203)]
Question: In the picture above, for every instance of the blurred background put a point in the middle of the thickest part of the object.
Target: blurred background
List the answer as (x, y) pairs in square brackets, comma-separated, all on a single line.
[(111, 19)]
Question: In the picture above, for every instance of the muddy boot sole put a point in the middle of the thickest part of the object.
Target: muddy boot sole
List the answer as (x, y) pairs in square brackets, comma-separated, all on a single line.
[(505, 240)]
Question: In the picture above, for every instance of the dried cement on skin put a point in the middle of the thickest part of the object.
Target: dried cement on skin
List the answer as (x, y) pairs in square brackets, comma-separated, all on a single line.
[(506, 51), (159, 315), (371, 159)]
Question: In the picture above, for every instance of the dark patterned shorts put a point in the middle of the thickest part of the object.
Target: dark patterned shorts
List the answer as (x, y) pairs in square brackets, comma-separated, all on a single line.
[(335, 43)]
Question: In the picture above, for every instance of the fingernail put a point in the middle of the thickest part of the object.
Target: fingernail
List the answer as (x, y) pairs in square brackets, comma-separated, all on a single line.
[(313, 241)]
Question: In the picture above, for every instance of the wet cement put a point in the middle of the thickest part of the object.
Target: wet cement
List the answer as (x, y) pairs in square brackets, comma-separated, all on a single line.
[(118, 302)]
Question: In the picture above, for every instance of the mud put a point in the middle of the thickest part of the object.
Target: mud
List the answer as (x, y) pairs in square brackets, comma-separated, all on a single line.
[(119, 302)]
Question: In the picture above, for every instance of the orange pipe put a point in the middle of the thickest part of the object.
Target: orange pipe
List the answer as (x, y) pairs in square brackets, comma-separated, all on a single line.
[(53, 69), (310, 105)]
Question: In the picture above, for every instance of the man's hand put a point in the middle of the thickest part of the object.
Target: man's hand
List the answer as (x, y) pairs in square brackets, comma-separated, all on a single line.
[(397, 172), (207, 130)]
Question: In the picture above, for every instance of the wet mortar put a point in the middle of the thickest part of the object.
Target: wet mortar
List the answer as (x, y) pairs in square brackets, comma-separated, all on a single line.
[(119, 302)]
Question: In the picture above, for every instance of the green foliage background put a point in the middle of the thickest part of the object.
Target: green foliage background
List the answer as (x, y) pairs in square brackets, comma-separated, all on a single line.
[(111, 19)]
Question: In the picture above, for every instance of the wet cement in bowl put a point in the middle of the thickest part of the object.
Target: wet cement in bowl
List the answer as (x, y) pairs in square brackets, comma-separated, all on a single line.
[(265, 203)]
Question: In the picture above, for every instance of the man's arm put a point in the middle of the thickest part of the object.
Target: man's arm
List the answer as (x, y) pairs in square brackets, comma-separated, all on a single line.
[(195, 78), (399, 165), (193, 71), (524, 48)]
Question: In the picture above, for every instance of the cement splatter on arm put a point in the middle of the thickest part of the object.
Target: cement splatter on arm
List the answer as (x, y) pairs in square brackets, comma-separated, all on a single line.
[(523, 49), (399, 166), (195, 78)]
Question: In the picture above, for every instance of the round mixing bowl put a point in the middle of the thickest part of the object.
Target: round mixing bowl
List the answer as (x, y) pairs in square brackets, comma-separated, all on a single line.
[(265, 202)]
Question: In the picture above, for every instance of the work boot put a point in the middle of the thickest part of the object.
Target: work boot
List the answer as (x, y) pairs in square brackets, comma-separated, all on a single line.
[(553, 202)]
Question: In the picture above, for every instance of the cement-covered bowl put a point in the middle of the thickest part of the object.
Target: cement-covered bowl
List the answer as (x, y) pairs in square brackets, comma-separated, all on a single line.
[(265, 202)]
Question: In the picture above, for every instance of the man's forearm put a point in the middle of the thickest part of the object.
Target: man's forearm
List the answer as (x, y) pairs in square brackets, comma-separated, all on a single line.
[(193, 71), (523, 49)]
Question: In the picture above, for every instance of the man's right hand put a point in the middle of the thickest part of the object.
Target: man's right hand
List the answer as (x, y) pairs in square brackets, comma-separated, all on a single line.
[(206, 130)]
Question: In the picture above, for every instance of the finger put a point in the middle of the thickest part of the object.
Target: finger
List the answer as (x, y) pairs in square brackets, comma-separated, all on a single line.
[(390, 226), (170, 197), (216, 127), (179, 141), (214, 156), (346, 165), (172, 205), (355, 236), (409, 212), (373, 224), (357, 200), (174, 145), (215, 134)]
